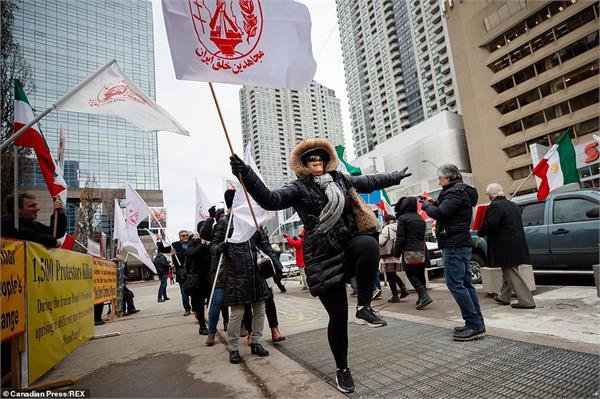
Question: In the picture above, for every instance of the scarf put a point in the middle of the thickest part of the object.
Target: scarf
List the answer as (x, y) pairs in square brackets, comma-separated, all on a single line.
[(335, 203)]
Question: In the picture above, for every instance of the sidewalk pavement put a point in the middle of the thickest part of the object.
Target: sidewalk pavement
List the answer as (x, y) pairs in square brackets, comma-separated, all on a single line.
[(160, 354)]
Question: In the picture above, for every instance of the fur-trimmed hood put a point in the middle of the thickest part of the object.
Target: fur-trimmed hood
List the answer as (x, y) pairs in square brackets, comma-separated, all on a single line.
[(311, 144)]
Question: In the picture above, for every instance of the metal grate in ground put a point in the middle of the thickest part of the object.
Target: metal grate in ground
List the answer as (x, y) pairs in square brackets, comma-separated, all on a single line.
[(413, 360)]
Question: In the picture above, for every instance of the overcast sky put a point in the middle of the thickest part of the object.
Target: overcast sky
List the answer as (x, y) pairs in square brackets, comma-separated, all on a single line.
[(205, 155)]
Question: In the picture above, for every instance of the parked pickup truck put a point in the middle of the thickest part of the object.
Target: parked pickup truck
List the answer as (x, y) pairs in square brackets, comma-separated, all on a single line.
[(563, 233)]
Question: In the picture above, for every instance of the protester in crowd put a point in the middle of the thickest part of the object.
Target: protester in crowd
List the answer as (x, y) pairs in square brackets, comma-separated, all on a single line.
[(211, 226), (179, 251), (453, 211), (128, 304), (334, 249), (198, 267), (389, 264), (243, 283), (162, 268), (506, 246), (296, 243), (410, 244), (29, 229), (279, 272), (171, 276)]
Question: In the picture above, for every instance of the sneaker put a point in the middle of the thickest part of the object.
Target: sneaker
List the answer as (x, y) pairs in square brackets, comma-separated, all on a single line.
[(394, 299), (167, 299), (377, 293), (404, 293), (187, 313), (161, 300), (469, 334), (519, 306), (459, 329), (344, 381), (203, 331), (98, 323), (369, 316)]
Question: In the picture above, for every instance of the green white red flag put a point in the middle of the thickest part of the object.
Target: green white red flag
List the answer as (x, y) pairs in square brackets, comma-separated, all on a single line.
[(558, 167), (33, 138)]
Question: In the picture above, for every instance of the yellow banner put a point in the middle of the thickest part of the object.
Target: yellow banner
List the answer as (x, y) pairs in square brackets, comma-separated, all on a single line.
[(105, 280), (12, 274), (60, 318)]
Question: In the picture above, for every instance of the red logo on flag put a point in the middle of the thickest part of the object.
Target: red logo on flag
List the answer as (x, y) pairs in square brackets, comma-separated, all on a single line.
[(113, 92), (228, 32)]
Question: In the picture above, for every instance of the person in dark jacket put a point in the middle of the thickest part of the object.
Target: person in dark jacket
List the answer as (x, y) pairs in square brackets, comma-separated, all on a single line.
[(453, 212), (334, 249), (506, 246), (198, 262), (162, 269), (179, 251), (243, 284), (410, 236), (29, 229)]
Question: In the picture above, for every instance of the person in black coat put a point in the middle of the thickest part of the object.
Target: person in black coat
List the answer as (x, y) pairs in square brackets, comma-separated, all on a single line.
[(242, 282), (198, 262), (162, 269), (506, 246), (410, 236), (453, 211), (29, 229), (334, 248), (179, 251)]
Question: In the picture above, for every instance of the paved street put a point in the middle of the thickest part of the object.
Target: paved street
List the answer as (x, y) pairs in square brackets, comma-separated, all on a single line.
[(159, 353)]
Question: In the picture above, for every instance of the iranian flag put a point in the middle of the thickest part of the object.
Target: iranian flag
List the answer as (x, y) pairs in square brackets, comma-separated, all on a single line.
[(558, 167), (344, 166), (34, 138)]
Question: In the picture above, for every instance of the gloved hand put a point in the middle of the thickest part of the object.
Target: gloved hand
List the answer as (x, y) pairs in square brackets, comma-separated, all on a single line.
[(211, 211), (399, 175), (222, 248), (238, 166)]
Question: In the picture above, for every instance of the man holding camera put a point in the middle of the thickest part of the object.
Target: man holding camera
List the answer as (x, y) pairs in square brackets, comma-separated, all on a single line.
[(453, 212)]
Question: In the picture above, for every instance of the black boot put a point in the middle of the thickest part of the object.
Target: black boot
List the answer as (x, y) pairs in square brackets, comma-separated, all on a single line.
[(257, 349), (424, 298), (234, 357)]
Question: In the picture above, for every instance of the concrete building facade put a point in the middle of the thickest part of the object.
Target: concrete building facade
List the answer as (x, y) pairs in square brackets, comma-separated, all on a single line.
[(422, 148), (526, 71), (275, 120)]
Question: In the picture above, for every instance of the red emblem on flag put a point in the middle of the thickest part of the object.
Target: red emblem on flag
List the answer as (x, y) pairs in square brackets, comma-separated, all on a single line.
[(113, 92), (228, 33)]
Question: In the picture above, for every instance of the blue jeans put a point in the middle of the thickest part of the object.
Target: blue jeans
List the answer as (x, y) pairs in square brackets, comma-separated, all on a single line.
[(162, 290), (215, 308), (458, 280), (185, 298)]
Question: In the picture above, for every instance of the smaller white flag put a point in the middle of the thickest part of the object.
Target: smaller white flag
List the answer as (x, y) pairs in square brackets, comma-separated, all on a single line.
[(119, 223), (202, 205), (294, 218), (142, 256), (243, 224), (153, 237), (136, 208), (60, 164), (93, 248), (110, 92)]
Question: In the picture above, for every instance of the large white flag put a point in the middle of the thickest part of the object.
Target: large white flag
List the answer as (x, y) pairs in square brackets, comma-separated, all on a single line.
[(136, 208), (202, 205), (111, 92), (246, 42), (243, 224)]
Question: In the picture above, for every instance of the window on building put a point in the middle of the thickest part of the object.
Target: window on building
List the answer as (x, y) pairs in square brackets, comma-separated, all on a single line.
[(533, 120), (581, 74), (586, 127), (508, 106), (524, 74), (557, 111), (515, 150), (529, 97), (584, 100), (512, 128)]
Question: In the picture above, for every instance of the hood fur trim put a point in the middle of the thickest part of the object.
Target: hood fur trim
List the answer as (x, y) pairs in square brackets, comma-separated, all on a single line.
[(307, 145)]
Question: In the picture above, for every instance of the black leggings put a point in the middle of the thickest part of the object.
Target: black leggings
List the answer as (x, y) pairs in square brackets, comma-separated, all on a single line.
[(362, 254), (416, 273), (198, 302), (394, 280)]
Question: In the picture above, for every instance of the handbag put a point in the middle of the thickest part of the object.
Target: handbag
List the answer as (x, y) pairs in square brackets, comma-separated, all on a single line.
[(414, 257), (264, 264), (387, 249), (364, 218)]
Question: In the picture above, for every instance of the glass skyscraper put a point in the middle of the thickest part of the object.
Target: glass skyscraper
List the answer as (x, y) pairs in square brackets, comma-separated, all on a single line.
[(65, 41)]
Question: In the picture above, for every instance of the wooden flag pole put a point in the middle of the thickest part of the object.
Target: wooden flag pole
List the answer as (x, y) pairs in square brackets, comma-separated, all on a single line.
[(55, 219), (212, 90), (520, 185)]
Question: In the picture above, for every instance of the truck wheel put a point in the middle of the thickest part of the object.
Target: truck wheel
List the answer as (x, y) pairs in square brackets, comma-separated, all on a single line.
[(476, 263)]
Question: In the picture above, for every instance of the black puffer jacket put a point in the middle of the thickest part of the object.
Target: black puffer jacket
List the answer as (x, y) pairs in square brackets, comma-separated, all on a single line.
[(241, 280), (178, 258), (410, 233), (323, 254), (453, 212)]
